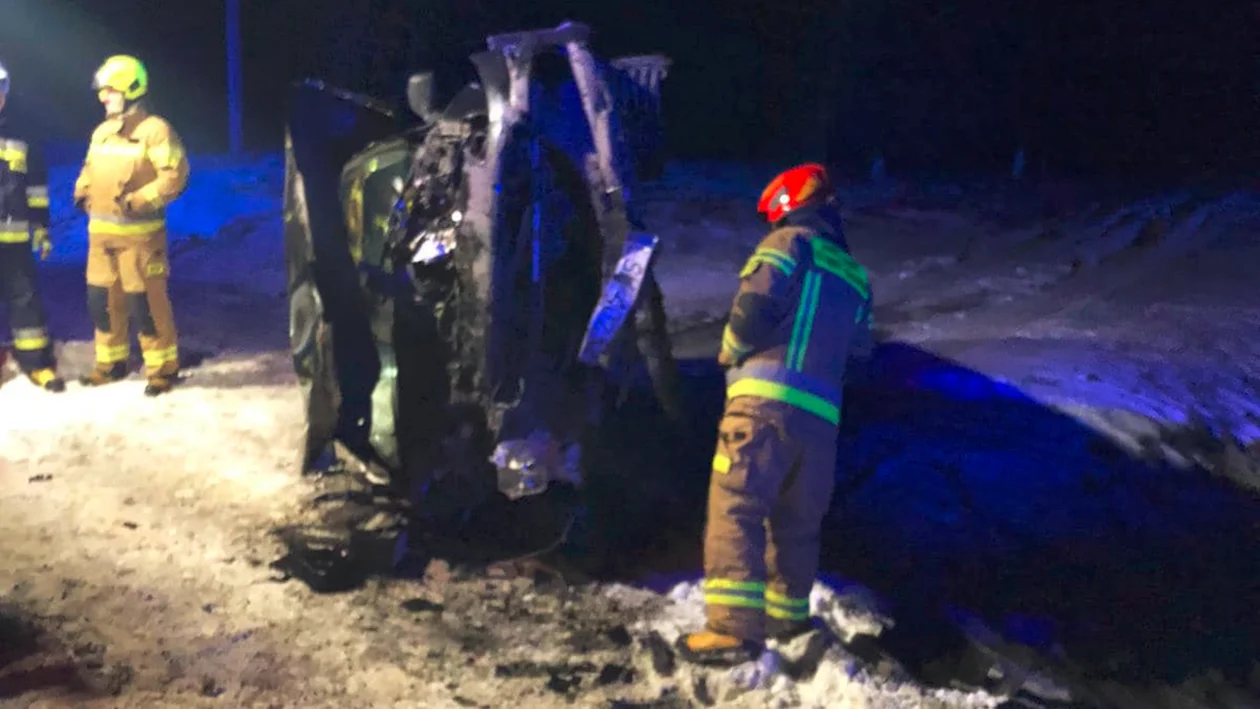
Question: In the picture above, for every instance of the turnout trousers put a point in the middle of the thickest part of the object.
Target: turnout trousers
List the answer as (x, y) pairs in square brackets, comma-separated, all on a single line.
[(127, 284), (771, 485)]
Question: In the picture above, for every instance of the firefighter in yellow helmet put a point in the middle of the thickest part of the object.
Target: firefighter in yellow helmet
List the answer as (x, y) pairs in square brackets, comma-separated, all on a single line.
[(803, 308), (135, 167), (24, 228)]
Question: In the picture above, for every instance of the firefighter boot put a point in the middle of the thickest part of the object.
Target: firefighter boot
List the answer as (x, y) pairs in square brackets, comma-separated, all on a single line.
[(105, 373), (47, 380), (161, 381), (716, 649)]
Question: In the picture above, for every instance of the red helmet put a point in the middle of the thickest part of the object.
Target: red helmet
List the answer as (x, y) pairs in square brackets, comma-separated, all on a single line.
[(793, 189)]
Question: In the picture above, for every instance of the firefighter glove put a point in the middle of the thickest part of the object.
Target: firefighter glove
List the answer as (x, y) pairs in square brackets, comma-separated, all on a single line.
[(130, 205), (41, 243)]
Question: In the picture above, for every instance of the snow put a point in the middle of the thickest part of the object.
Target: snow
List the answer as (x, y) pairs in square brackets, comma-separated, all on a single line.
[(141, 525), (840, 681)]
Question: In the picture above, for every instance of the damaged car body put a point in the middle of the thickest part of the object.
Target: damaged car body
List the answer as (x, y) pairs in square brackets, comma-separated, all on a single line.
[(470, 292)]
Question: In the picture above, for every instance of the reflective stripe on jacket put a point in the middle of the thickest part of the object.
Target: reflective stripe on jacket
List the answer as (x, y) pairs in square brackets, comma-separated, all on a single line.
[(135, 167), (803, 305)]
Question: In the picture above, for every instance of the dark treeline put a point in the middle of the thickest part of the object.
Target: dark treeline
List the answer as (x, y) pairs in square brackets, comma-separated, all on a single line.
[(948, 86)]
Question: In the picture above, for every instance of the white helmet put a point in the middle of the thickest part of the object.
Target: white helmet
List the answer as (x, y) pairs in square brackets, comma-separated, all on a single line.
[(4, 81)]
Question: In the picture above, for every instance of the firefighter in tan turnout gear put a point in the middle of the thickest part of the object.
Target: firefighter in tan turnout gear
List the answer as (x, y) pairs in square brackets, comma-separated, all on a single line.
[(24, 229), (802, 309), (135, 167)]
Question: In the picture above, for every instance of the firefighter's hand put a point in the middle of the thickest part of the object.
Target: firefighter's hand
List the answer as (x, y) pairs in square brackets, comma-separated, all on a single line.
[(726, 360), (131, 205), (41, 243)]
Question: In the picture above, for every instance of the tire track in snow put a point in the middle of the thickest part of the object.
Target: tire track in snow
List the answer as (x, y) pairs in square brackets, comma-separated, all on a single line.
[(1071, 296)]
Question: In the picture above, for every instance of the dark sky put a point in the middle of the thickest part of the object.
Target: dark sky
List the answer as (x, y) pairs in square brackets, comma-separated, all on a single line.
[(1103, 86)]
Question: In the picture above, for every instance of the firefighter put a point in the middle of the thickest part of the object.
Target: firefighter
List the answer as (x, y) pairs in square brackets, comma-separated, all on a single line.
[(23, 230), (803, 308), (135, 167)]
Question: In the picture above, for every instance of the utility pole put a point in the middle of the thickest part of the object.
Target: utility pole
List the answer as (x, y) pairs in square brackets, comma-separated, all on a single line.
[(233, 35)]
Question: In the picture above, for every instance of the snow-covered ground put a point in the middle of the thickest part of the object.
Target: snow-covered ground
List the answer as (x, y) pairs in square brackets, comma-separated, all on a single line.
[(135, 533)]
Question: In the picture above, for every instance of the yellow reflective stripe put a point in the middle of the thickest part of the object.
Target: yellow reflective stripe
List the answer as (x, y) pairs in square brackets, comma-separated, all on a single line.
[(731, 600), (808, 332), (116, 149), (741, 594), (779, 599), (721, 463), (779, 258), (157, 358), (101, 226), (781, 392), (839, 263), (30, 339), (785, 614), (772, 257), (37, 197), (110, 355), (15, 237), (806, 311), (728, 585)]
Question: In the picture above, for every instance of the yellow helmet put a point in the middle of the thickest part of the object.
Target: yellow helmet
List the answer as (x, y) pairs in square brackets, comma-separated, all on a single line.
[(123, 74)]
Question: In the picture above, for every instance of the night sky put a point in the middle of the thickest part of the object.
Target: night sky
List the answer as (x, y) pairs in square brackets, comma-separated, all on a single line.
[(954, 86)]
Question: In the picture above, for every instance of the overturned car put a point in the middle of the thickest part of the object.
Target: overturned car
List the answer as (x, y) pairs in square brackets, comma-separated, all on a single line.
[(471, 293)]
